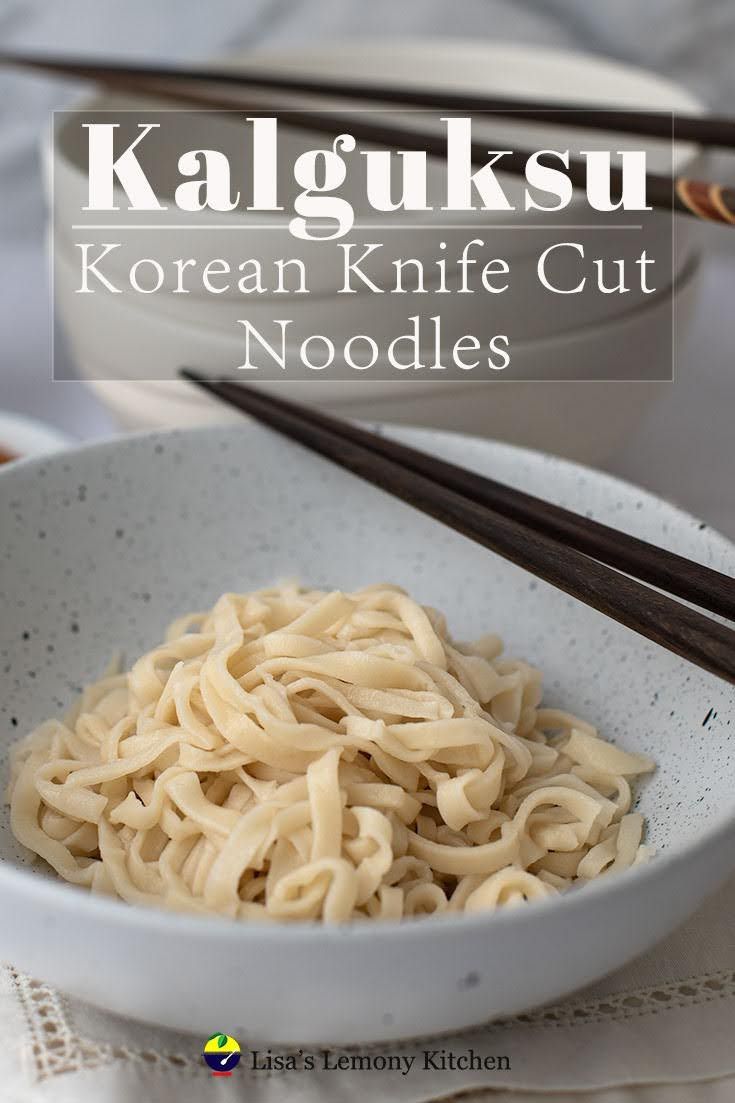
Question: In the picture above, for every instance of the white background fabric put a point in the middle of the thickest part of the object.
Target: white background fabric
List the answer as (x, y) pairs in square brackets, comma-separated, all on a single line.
[(683, 451)]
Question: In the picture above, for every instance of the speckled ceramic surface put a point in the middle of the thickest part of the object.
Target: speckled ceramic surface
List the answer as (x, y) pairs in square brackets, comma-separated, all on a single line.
[(103, 546)]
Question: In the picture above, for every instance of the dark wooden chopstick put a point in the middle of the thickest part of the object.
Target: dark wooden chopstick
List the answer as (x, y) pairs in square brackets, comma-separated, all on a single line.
[(678, 628), (710, 130), (701, 585), (701, 199)]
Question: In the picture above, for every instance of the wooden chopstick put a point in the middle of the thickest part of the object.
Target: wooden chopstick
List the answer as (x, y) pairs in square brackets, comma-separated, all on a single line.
[(701, 199), (701, 585), (678, 628), (709, 130)]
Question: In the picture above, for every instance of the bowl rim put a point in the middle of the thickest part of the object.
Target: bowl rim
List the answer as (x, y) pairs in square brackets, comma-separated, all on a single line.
[(57, 895)]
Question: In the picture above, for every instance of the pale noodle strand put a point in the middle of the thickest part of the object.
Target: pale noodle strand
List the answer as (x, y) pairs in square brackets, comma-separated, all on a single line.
[(295, 754)]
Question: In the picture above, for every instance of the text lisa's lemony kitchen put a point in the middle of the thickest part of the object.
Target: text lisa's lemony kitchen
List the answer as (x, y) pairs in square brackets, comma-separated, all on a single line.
[(426, 1060)]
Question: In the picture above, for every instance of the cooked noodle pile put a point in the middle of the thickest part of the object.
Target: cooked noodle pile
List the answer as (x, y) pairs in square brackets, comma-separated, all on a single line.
[(297, 754)]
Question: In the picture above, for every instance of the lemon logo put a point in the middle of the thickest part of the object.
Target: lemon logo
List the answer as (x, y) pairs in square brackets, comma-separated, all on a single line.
[(222, 1054)]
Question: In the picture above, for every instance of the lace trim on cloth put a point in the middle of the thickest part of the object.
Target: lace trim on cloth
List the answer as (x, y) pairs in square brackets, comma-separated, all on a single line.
[(56, 1048)]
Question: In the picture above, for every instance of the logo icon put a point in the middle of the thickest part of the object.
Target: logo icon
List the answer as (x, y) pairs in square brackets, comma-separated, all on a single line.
[(222, 1054)]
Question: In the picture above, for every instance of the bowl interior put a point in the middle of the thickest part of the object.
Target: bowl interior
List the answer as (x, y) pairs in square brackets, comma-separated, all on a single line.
[(104, 546)]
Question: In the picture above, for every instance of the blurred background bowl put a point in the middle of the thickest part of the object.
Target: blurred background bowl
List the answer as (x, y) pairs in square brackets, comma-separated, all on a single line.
[(130, 346), (536, 410), (27, 436)]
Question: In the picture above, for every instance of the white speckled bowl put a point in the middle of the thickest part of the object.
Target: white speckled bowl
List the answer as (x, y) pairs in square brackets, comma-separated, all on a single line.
[(104, 545)]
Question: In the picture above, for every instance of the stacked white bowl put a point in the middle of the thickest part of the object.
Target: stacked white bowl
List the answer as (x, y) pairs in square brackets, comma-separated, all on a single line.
[(130, 347)]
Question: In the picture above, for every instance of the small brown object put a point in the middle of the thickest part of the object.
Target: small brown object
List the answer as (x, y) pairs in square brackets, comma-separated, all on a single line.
[(712, 202)]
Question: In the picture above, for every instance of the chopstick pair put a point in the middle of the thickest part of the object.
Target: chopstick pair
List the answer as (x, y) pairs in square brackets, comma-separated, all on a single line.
[(590, 561), (710, 130), (702, 199)]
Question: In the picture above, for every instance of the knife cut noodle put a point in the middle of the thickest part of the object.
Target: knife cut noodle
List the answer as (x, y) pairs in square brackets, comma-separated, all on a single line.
[(296, 754)]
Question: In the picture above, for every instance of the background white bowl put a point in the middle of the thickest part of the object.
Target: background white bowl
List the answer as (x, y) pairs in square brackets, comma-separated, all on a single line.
[(104, 545), (121, 338), (604, 413), (581, 420), (484, 68), (525, 310)]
